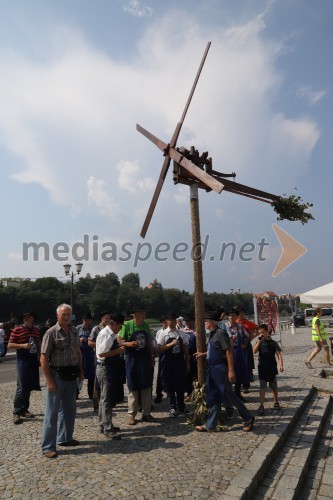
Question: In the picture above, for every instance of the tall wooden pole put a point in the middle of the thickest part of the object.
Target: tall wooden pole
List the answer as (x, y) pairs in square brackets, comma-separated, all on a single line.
[(198, 282)]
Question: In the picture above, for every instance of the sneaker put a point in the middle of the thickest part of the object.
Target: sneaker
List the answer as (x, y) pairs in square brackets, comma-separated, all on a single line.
[(158, 399), (308, 364), (148, 418), (172, 413), (27, 414), (132, 421), (17, 419)]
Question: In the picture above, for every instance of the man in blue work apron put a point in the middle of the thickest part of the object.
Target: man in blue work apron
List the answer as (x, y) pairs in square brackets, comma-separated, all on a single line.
[(220, 376), (139, 361), (172, 345)]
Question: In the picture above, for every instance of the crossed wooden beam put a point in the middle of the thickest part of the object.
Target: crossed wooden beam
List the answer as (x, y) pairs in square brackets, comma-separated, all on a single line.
[(191, 168)]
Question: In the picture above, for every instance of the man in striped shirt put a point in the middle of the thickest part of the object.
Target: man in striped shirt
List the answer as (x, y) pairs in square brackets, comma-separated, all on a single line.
[(25, 339)]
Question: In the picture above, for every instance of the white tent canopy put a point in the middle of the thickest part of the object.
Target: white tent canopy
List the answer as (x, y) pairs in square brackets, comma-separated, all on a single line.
[(319, 297)]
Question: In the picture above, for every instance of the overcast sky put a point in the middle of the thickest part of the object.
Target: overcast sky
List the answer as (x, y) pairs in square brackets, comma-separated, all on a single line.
[(76, 76)]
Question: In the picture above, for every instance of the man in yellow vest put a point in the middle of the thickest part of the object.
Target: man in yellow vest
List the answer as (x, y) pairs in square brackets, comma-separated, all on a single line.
[(319, 337)]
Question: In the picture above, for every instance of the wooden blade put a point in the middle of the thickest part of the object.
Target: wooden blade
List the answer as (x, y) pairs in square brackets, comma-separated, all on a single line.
[(155, 197), (161, 145), (242, 188), (194, 85), (195, 171)]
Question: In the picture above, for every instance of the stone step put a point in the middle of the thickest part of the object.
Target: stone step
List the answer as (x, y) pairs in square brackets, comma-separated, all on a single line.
[(288, 471), (295, 434), (319, 481)]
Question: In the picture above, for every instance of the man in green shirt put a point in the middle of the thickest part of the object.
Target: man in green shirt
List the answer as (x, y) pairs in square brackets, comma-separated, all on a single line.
[(139, 360)]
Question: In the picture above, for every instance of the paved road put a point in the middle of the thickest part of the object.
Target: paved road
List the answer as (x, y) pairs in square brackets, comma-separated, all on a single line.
[(166, 459), (8, 368)]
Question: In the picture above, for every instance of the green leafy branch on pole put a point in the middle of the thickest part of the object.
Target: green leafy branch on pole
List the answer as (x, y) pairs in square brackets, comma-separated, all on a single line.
[(292, 208)]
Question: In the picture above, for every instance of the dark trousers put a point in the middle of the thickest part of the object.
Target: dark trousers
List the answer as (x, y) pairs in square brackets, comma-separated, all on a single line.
[(91, 383), (21, 399), (176, 401), (231, 401), (238, 389), (159, 392)]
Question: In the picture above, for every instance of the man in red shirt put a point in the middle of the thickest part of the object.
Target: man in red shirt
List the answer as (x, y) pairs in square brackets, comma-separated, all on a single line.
[(252, 329), (25, 339)]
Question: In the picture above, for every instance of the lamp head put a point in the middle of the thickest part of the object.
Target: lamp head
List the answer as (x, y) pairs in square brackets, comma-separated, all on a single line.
[(67, 268), (79, 266)]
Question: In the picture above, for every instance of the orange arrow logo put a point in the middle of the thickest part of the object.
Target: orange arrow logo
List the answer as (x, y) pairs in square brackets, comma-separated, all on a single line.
[(292, 250)]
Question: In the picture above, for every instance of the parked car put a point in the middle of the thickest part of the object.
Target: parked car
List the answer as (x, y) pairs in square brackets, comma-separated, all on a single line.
[(298, 318)]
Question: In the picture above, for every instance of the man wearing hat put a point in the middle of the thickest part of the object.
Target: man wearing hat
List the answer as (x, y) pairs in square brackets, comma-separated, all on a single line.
[(172, 345), (192, 349), (87, 352), (109, 373), (139, 361), (104, 320), (220, 376), (25, 339)]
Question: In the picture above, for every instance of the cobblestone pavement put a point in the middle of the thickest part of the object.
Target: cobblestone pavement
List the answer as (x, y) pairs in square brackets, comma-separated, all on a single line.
[(166, 459)]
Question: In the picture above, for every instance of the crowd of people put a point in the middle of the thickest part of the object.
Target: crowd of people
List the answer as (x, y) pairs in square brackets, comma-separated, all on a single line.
[(120, 350)]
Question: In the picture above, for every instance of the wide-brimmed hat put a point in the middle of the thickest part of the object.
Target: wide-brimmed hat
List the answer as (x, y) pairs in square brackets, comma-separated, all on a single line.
[(29, 313), (212, 315), (87, 315), (103, 313), (233, 311), (171, 315), (137, 308), (190, 316), (118, 318)]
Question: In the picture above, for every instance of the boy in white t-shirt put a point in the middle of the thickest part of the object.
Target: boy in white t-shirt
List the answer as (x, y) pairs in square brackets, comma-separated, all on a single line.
[(2, 341)]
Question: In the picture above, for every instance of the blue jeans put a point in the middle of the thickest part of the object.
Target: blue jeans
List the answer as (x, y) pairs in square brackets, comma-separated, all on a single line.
[(21, 399), (231, 400), (60, 411)]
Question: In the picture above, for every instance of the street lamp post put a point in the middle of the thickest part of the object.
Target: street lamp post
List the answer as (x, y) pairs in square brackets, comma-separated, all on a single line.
[(67, 268)]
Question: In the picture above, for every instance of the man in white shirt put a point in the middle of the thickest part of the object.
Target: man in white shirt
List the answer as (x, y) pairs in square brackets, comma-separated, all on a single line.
[(172, 345), (109, 373)]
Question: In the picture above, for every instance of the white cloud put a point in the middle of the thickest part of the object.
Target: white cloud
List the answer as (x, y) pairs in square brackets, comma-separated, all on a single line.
[(15, 256), (136, 9), (310, 95), (182, 195), (128, 178), (68, 121), (99, 196)]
